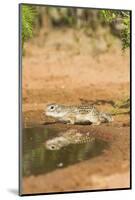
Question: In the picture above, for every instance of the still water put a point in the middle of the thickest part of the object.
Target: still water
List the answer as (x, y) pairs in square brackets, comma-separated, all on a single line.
[(37, 159)]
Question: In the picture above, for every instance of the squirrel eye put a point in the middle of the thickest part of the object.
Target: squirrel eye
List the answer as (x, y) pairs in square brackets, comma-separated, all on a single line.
[(52, 107)]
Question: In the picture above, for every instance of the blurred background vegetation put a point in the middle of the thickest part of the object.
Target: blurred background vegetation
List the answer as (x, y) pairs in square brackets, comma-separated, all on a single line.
[(36, 17)]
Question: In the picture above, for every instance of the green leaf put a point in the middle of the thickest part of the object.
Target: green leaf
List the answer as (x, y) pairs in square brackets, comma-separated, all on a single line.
[(28, 16)]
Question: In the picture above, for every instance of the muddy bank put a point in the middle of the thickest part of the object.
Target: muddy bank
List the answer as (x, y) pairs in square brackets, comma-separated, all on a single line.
[(71, 74)]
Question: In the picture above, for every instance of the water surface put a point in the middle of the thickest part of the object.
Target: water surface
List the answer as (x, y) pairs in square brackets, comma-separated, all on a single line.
[(39, 160)]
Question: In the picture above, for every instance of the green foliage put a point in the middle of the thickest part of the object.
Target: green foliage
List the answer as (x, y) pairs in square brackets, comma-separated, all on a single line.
[(126, 32), (28, 16), (108, 15), (121, 107), (124, 17)]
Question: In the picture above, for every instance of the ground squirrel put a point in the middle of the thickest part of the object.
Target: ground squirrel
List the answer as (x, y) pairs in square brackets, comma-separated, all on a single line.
[(77, 114)]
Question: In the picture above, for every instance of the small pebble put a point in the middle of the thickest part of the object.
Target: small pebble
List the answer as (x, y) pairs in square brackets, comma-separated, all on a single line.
[(60, 165)]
